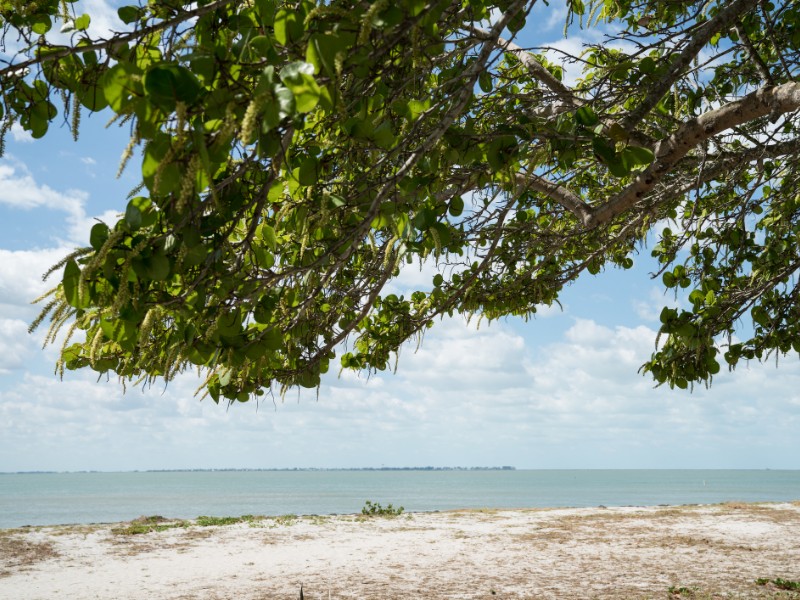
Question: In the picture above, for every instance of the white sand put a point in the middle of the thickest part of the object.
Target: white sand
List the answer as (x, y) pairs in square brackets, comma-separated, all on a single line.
[(715, 551)]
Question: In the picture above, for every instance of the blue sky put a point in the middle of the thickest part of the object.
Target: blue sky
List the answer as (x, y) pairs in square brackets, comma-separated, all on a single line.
[(560, 391)]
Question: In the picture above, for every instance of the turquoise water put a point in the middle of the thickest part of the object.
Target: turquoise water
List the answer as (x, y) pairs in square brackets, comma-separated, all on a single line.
[(59, 498)]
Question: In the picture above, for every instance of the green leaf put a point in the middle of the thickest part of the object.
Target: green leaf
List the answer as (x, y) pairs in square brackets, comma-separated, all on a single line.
[(71, 285), (286, 102), (383, 135), (82, 22), (129, 14), (617, 133), (298, 76), (586, 116), (485, 81), (37, 125), (268, 235), (139, 213), (604, 149), (456, 206), (667, 314), (647, 65), (154, 167), (41, 24), (635, 155), (213, 389), (308, 172), (288, 26), (195, 255), (157, 266), (264, 259), (119, 84), (98, 235), (92, 96), (167, 84), (323, 48), (120, 331), (230, 323), (517, 22)]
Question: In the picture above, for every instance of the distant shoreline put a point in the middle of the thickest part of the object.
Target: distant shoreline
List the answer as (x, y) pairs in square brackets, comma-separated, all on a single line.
[(371, 469), (269, 470)]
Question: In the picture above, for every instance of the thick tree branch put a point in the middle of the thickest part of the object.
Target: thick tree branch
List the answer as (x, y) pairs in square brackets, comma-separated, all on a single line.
[(769, 100), (557, 192), (722, 21)]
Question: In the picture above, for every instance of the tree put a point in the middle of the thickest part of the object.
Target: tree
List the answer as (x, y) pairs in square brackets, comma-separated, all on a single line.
[(295, 155)]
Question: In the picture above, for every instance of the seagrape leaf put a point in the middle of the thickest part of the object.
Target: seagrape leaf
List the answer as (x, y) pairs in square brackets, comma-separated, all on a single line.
[(139, 213), (485, 81), (298, 76), (635, 155), (288, 26), (41, 24), (98, 235), (129, 14), (586, 116), (323, 48), (153, 167), (71, 283), (157, 266), (92, 96), (82, 22), (308, 172), (119, 84), (122, 332), (167, 84), (456, 206)]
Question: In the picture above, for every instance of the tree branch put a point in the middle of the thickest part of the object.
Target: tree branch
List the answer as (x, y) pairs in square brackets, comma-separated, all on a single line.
[(723, 20), (557, 192), (762, 67), (116, 40), (768, 100), (537, 70)]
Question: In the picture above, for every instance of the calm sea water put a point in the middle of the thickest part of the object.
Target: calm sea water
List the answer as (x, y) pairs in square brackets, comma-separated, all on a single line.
[(58, 498)]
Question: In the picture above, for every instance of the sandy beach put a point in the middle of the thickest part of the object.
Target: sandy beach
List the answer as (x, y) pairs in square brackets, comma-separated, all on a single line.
[(721, 551)]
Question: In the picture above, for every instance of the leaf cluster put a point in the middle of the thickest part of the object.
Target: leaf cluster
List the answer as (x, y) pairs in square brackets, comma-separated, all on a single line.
[(295, 157)]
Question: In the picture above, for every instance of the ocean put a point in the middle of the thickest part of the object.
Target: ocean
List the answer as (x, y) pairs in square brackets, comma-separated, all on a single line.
[(67, 498)]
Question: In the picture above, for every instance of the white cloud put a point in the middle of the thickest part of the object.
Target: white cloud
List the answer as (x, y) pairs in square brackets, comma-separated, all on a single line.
[(21, 279), (467, 397), (650, 309), (15, 350), (21, 270), (21, 136), (19, 190), (105, 20)]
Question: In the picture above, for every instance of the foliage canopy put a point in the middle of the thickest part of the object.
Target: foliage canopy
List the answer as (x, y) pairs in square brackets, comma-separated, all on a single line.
[(294, 155)]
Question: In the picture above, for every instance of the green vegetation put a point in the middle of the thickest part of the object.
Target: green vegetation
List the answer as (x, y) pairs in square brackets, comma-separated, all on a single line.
[(157, 523), (151, 524), (680, 591), (217, 521), (295, 156), (374, 509), (285, 520), (782, 584)]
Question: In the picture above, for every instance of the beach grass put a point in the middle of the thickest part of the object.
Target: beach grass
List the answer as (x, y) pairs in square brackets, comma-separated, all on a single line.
[(17, 552)]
